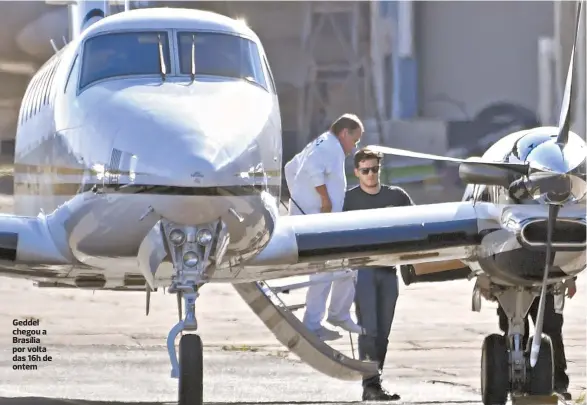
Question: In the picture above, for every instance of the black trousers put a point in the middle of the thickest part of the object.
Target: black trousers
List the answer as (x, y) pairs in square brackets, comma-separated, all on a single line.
[(553, 327), (376, 295)]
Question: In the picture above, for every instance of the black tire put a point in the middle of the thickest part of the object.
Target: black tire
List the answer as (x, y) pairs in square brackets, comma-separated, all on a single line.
[(495, 382), (408, 274), (190, 370), (541, 377)]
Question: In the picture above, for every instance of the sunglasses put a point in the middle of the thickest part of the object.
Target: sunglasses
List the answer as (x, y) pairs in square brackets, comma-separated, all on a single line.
[(366, 170)]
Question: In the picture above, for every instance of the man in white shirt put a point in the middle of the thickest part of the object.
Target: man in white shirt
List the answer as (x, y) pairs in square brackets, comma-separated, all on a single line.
[(316, 181)]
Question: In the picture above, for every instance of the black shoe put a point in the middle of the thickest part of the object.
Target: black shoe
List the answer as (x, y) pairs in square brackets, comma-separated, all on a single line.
[(561, 386), (564, 394), (378, 393)]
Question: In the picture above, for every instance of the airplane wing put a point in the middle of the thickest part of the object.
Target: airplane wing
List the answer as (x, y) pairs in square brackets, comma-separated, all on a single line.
[(385, 236), (33, 241)]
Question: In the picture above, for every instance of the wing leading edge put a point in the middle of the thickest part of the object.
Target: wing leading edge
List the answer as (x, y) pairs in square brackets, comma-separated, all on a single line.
[(395, 235)]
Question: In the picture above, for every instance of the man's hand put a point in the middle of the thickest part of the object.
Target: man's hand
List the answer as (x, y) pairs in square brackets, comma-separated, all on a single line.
[(571, 288), (326, 206)]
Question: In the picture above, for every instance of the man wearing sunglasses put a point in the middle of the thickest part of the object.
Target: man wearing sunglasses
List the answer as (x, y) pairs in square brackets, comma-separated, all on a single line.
[(316, 180), (377, 288)]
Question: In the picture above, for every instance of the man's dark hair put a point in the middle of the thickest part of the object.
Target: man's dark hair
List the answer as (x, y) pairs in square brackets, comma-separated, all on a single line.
[(367, 154), (346, 121)]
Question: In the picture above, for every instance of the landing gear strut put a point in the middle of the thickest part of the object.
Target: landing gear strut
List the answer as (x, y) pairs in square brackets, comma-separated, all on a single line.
[(192, 250), (505, 364)]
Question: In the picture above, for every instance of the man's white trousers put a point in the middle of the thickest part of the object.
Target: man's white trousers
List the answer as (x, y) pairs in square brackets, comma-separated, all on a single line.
[(341, 300)]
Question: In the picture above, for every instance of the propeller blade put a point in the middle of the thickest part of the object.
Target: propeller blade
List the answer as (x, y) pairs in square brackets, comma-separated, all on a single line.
[(520, 168), (536, 341), (564, 122)]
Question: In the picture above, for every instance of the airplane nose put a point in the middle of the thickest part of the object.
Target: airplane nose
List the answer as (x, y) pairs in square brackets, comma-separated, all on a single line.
[(187, 165), (187, 143), (186, 185), (177, 173)]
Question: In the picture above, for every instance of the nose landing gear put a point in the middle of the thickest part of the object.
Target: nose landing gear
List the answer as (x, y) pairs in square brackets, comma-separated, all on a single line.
[(505, 365), (189, 368), (192, 251)]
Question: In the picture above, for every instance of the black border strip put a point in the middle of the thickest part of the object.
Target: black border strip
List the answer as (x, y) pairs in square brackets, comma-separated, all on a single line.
[(244, 190), (391, 239)]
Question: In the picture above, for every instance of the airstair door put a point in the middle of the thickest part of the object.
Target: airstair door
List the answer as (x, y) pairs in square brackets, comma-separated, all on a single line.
[(292, 333)]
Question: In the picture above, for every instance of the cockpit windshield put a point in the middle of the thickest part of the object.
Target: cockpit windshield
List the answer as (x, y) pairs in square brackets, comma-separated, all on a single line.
[(124, 54), (221, 55)]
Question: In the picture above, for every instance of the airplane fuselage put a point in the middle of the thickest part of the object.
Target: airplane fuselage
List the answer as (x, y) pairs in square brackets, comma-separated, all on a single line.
[(120, 150)]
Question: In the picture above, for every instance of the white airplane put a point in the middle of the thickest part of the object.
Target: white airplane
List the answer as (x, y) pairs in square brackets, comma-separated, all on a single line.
[(149, 149)]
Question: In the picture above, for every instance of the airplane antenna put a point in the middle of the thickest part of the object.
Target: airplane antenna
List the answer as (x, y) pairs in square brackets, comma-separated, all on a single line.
[(64, 40), (126, 5), (53, 45), (161, 59), (193, 57)]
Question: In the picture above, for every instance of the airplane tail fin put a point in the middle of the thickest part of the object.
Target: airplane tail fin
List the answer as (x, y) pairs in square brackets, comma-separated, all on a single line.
[(82, 14)]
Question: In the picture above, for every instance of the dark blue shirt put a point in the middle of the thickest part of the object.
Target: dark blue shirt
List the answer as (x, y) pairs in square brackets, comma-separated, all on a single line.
[(388, 196)]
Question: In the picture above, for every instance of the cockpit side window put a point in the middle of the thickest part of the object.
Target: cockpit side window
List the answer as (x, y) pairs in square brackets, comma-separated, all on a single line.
[(221, 55), (123, 54), (269, 75)]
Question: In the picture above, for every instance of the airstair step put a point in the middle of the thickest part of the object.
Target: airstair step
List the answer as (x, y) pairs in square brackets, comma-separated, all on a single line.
[(292, 333), (295, 307)]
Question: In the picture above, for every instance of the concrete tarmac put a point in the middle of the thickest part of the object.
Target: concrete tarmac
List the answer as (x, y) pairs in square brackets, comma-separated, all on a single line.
[(106, 351)]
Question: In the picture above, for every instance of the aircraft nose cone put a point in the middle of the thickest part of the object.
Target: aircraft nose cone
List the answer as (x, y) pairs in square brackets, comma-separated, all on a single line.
[(188, 142), (177, 173), (187, 191), (193, 164)]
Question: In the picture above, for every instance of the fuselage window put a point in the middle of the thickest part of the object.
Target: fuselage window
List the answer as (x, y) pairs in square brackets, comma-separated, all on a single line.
[(124, 54), (220, 55)]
